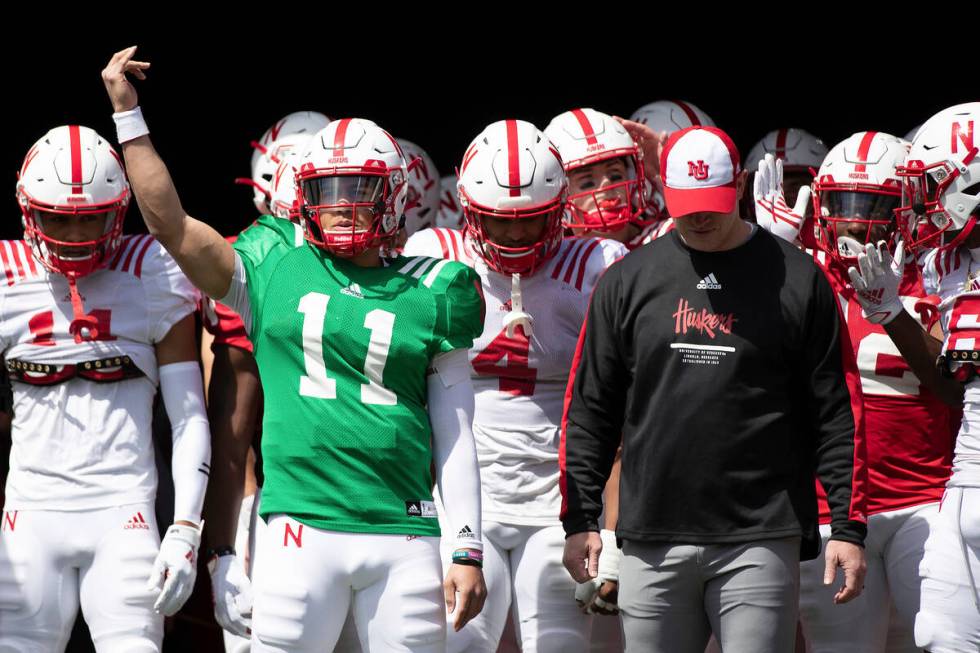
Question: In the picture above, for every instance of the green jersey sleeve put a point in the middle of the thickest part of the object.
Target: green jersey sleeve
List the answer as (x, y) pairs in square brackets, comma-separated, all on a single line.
[(460, 307), (260, 248)]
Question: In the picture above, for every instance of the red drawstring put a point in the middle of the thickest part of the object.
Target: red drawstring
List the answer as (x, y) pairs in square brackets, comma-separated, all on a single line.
[(83, 327)]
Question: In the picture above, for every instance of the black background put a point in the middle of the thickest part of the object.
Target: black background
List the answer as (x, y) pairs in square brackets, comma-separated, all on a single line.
[(213, 88)]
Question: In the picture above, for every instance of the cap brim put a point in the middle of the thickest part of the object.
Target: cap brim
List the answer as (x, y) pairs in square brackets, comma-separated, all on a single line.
[(684, 201)]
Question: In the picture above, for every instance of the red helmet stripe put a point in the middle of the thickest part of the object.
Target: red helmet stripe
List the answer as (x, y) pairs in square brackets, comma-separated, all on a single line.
[(513, 159), (781, 143), (863, 149), (583, 121), (75, 143), (693, 117), (340, 136)]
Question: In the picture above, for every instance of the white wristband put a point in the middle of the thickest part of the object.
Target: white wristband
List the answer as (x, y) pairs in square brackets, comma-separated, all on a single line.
[(130, 125)]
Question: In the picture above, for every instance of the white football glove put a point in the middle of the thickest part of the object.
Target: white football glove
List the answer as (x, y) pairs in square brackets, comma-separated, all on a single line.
[(771, 211), (609, 557), (876, 281), (232, 593), (175, 568)]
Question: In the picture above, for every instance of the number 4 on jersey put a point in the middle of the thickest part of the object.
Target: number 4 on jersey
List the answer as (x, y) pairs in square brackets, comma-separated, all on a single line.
[(516, 377)]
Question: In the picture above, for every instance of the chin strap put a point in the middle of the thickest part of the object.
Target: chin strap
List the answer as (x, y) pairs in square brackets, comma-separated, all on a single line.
[(516, 316), (83, 327)]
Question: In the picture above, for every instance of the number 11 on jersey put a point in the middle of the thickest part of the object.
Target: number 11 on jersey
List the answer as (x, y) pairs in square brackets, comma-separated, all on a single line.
[(316, 383)]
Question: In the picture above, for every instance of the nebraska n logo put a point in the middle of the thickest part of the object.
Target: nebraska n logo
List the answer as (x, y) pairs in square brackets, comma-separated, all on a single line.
[(961, 134), (697, 170)]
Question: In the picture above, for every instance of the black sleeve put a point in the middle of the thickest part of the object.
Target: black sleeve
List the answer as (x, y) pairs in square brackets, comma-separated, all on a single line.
[(594, 405), (835, 411)]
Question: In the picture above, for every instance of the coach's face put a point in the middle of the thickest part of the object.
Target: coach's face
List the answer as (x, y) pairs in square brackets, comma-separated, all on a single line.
[(708, 231)]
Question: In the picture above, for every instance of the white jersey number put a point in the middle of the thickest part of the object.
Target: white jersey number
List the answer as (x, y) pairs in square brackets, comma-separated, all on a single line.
[(883, 370), (316, 383)]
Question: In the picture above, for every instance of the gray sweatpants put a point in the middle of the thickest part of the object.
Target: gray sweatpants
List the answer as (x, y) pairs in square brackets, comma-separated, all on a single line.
[(673, 596)]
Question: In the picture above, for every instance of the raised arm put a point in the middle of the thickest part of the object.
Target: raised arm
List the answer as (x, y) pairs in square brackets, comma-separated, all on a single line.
[(205, 257)]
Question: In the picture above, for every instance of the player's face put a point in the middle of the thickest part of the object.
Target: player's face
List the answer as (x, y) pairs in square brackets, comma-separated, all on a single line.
[(73, 228), (598, 179), (854, 210), (514, 232), (860, 232), (345, 201)]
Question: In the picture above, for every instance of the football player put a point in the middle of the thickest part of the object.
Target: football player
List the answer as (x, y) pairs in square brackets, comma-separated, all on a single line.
[(512, 188), (363, 367), (941, 189), (92, 322), (908, 431)]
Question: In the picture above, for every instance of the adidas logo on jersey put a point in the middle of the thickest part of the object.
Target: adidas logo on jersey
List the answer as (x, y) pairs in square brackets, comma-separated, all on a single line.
[(465, 533), (353, 290), (709, 283), (426, 509), (137, 522)]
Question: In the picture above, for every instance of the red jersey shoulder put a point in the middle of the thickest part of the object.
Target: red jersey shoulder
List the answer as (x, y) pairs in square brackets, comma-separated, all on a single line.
[(18, 262), (580, 261)]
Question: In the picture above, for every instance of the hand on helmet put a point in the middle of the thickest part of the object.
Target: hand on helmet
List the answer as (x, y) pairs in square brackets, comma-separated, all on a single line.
[(121, 91), (771, 211)]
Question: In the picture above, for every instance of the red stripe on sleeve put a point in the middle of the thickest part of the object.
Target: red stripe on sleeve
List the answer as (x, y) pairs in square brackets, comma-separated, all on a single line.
[(513, 159), (570, 268), (442, 243), (583, 263), (587, 130), (126, 240), (16, 255), (6, 263), (29, 255), (863, 149), (340, 136), (132, 250), (453, 236), (556, 272), (141, 255), (75, 143)]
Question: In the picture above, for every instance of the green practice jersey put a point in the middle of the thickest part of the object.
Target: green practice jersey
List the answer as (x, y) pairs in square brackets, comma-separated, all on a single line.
[(343, 353)]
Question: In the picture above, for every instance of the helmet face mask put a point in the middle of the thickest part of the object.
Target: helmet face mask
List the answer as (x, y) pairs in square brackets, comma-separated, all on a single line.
[(352, 187), (512, 189), (541, 226), (856, 193), (73, 196), (606, 195)]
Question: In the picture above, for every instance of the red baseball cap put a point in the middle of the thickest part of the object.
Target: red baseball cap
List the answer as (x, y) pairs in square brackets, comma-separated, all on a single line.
[(699, 167)]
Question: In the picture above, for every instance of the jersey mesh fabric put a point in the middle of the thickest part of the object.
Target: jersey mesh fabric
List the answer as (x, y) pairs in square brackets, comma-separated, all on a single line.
[(340, 452)]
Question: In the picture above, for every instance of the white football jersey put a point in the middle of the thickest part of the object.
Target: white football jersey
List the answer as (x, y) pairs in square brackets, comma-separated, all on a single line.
[(79, 444), (954, 276), (519, 381), (650, 233)]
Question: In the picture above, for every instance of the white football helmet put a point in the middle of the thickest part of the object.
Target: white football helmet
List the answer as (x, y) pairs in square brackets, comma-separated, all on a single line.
[(798, 149), (671, 115), (941, 177), (72, 171), (289, 133), (450, 213), (511, 171), (857, 191), (423, 188), (351, 167), (584, 138)]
